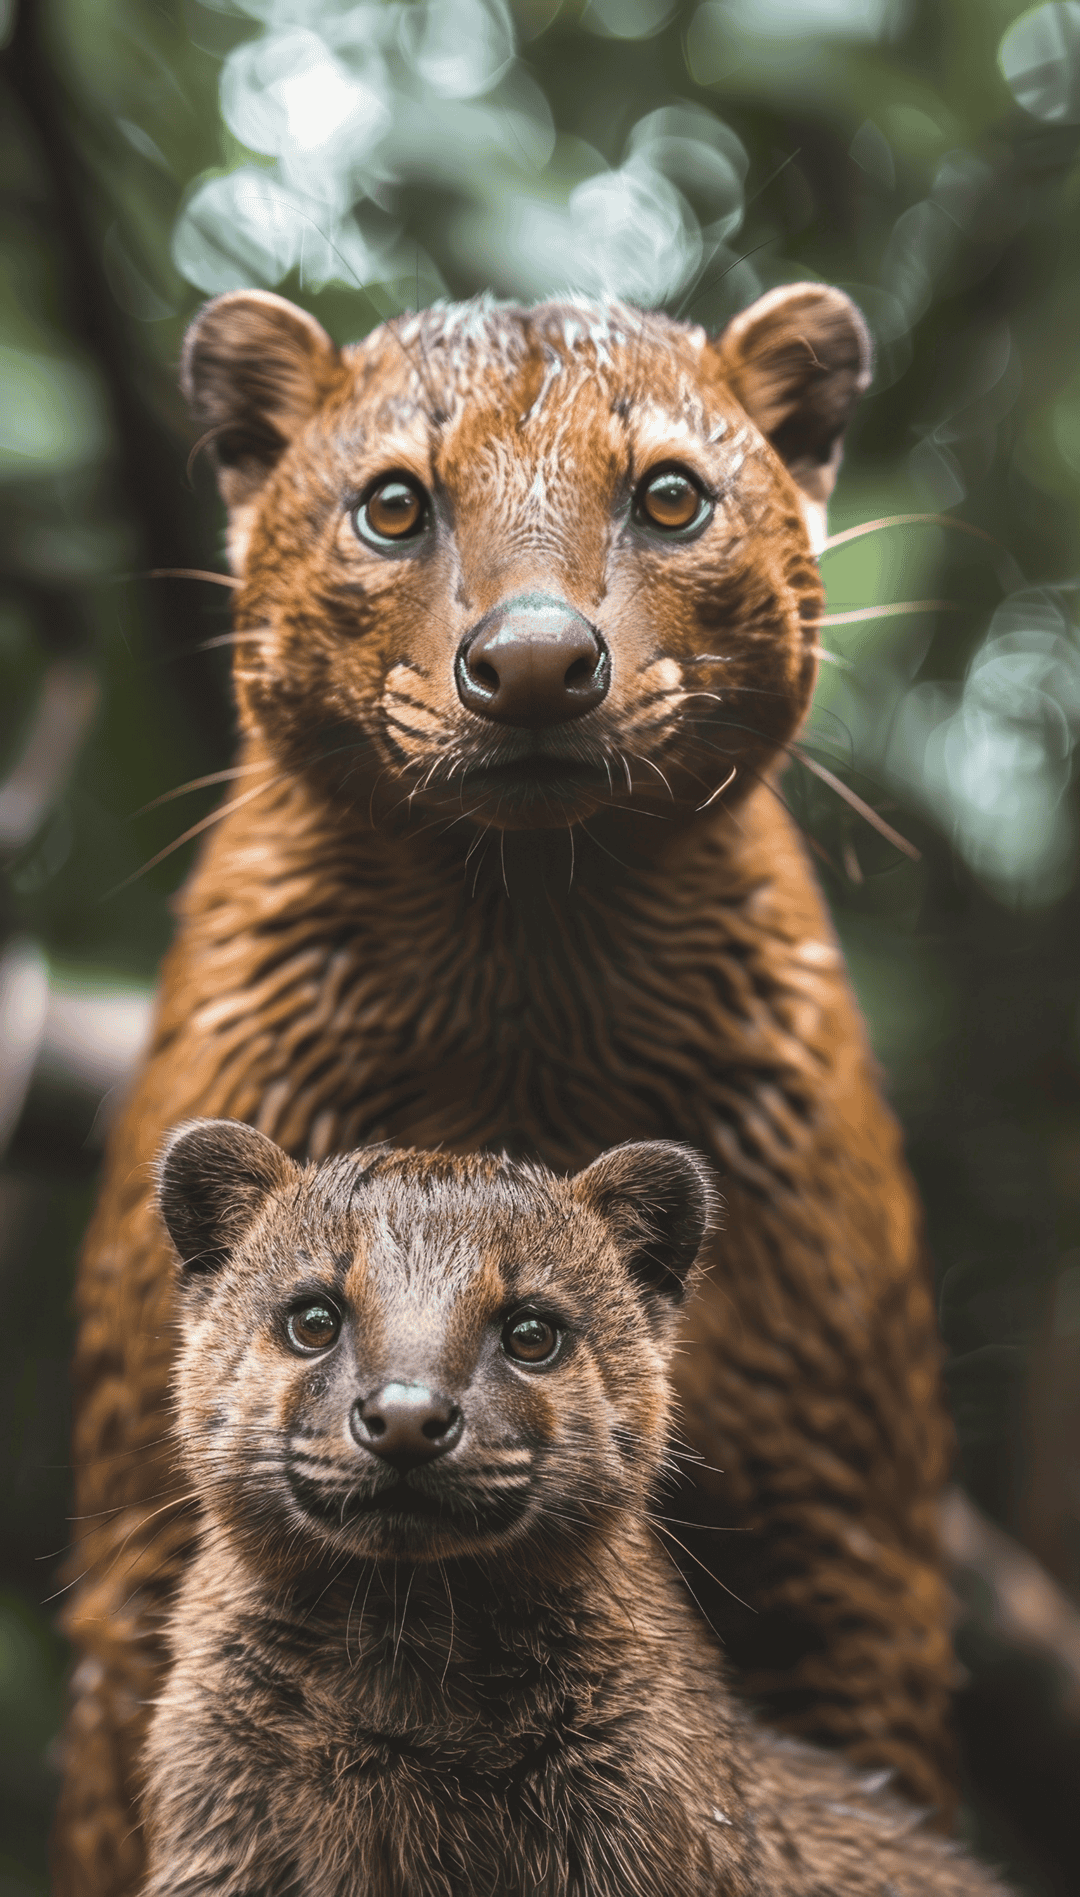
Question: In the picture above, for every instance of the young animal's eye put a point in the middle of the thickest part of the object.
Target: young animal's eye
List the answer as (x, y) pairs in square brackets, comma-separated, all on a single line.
[(672, 500), (530, 1339), (313, 1326), (395, 509)]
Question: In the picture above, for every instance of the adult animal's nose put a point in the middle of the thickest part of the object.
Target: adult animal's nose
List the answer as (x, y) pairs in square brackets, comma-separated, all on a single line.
[(533, 661), (406, 1424)]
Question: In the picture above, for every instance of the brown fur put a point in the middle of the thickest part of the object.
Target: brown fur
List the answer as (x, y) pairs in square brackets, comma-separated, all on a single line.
[(414, 925), (478, 1675)]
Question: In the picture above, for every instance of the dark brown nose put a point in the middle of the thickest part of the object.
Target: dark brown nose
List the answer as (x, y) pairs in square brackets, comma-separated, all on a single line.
[(533, 661), (405, 1423)]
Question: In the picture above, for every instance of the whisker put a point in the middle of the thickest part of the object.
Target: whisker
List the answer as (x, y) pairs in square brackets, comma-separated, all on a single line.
[(908, 520), (713, 1577), (200, 783), (889, 612), (656, 768), (179, 1501), (204, 441), (363, 1609), (225, 639), (857, 803), (404, 1611), (720, 788), (193, 573), (204, 823), (450, 1604), (705, 1528), (684, 309), (851, 797)]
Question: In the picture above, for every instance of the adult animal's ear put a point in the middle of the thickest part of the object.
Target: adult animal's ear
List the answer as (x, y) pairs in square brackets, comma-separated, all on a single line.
[(798, 360), (212, 1177), (660, 1200), (254, 369)]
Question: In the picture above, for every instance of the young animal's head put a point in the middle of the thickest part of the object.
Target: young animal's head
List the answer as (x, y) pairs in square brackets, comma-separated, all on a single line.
[(409, 1355), (524, 564)]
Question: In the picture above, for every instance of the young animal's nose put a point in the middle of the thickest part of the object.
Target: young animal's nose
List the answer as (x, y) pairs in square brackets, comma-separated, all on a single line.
[(405, 1423), (533, 661)]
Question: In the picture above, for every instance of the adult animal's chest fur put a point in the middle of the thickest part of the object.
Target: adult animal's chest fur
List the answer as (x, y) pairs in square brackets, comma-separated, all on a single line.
[(548, 998)]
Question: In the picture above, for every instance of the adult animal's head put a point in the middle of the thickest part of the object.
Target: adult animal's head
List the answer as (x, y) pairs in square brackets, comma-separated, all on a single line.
[(521, 564)]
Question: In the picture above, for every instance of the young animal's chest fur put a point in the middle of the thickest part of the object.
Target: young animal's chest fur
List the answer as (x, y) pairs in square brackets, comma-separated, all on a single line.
[(524, 1776), (520, 1771)]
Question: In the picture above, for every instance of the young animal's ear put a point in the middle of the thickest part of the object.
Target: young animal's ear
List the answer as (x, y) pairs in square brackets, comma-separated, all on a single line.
[(254, 369), (660, 1200), (798, 360), (213, 1175)]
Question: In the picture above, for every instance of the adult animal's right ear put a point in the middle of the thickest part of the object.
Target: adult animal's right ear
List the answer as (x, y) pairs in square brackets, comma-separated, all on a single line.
[(254, 370), (213, 1175), (798, 360)]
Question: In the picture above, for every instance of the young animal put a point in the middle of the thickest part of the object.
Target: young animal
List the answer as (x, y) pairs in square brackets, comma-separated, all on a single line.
[(528, 611), (429, 1645)]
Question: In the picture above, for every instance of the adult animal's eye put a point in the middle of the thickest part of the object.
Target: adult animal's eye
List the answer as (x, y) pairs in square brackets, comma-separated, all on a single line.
[(530, 1339), (313, 1326), (671, 500), (395, 510)]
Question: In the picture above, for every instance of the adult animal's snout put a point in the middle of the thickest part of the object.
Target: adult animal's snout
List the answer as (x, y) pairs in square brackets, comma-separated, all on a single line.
[(533, 661), (406, 1424)]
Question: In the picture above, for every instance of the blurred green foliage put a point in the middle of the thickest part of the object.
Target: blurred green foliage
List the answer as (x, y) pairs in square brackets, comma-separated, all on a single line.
[(923, 153)]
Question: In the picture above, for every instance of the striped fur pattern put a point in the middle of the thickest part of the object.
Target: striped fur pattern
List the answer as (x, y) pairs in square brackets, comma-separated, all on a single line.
[(479, 1675), (417, 926)]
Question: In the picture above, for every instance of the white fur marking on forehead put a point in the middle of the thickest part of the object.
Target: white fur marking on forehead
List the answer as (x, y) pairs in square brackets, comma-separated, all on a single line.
[(599, 336), (655, 418), (471, 322), (603, 326), (453, 349), (553, 367)]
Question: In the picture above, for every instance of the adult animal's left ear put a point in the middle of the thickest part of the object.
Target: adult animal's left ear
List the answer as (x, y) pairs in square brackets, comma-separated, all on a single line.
[(660, 1201), (798, 360)]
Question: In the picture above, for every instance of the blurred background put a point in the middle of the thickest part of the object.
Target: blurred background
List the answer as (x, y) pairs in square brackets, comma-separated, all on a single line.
[(684, 154)]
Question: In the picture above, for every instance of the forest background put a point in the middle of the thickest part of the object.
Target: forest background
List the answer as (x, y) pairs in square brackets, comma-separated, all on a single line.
[(683, 154)]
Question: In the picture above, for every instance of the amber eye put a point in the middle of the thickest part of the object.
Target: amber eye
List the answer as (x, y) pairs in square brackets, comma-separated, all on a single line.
[(671, 500), (530, 1339), (394, 510), (313, 1326)]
